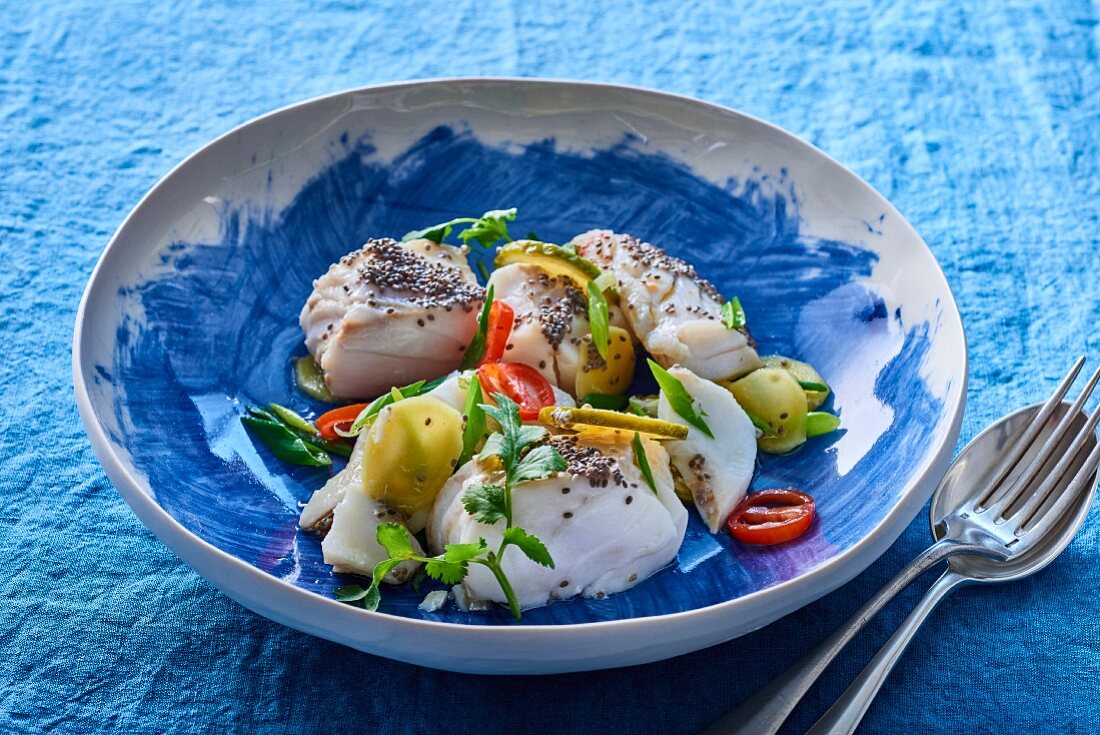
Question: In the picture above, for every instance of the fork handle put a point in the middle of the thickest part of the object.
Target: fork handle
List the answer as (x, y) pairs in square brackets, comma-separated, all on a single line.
[(764, 712), (846, 713)]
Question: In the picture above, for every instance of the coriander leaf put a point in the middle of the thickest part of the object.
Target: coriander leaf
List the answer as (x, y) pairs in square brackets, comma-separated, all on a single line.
[(291, 419), (437, 233), (494, 446), (678, 397), (446, 572), (350, 593), (528, 434), (643, 463), (395, 540), (373, 597), (733, 316), (599, 319), (489, 227), (540, 462), (506, 413), (451, 566), (819, 422), (476, 349), (485, 503), (474, 430), (530, 545), (285, 444)]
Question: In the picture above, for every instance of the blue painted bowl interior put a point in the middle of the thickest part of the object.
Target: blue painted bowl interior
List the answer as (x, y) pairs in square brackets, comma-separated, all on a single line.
[(220, 324)]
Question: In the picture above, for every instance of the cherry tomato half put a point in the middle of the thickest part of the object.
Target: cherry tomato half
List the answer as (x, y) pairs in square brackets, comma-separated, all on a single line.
[(342, 417), (501, 318), (520, 382), (771, 516)]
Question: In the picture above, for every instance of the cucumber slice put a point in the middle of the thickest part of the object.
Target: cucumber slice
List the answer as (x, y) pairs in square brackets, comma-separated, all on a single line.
[(553, 259)]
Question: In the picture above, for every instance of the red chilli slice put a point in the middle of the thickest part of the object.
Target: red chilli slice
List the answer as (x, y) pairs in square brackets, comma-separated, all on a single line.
[(771, 516)]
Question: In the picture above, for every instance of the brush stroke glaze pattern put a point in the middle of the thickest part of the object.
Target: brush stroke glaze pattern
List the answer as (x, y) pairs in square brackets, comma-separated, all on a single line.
[(214, 330)]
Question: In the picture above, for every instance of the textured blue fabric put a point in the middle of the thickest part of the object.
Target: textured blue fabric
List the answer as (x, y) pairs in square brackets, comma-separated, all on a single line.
[(980, 121)]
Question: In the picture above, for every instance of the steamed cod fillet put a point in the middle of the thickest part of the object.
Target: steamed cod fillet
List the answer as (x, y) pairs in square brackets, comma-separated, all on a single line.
[(717, 471), (551, 321), (391, 313), (606, 530), (675, 312)]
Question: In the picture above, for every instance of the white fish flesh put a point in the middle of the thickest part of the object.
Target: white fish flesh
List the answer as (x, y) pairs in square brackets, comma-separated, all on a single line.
[(606, 530), (351, 518), (391, 313), (551, 321), (717, 471), (317, 514), (671, 309)]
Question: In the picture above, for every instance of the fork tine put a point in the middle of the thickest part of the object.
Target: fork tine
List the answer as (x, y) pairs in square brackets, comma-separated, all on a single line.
[(1031, 508), (1002, 505), (1058, 509), (1019, 449)]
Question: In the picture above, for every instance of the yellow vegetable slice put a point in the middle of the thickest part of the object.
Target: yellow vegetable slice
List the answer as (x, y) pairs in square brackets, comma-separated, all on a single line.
[(602, 420), (611, 376), (776, 404), (412, 449), (553, 259), (806, 376)]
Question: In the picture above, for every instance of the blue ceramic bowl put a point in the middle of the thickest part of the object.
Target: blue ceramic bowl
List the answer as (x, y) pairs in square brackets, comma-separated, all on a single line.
[(191, 315)]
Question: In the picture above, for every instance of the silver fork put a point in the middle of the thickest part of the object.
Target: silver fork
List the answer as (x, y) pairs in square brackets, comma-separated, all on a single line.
[(1004, 518)]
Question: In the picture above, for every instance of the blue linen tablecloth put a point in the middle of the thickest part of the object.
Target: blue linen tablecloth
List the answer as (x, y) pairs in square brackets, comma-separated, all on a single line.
[(980, 121)]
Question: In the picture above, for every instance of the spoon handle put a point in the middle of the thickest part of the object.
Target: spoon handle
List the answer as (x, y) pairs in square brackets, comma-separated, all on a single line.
[(846, 713), (764, 712)]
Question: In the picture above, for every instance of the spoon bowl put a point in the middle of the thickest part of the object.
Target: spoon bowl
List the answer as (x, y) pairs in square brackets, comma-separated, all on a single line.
[(978, 461)]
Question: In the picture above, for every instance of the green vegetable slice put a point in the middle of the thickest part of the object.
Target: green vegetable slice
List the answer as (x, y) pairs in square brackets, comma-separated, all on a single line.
[(411, 390), (678, 398), (599, 319), (282, 441), (733, 316), (310, 380), (556, 260), (476, 349), (819, 422), (643, 462)]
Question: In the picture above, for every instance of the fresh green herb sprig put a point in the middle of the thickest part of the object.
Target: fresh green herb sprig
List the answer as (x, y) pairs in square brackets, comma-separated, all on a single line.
[(678, 398), (523, 458), (476, 349), (487, 229), (290, 437), (733, 315)]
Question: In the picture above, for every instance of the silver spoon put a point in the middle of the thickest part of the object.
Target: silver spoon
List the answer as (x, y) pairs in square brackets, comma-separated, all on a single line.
[(1033, 476), (982, 456)]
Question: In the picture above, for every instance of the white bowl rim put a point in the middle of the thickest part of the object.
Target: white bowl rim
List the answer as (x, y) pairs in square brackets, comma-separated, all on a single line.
[(192, 549)]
